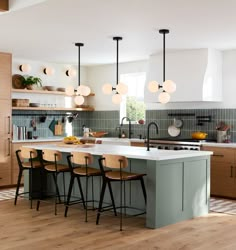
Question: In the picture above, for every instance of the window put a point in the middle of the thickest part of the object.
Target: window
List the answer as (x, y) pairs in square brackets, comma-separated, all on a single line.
[(133, 105)]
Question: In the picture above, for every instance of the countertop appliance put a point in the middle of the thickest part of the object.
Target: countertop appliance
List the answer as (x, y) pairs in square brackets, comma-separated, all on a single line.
[(170, 143)]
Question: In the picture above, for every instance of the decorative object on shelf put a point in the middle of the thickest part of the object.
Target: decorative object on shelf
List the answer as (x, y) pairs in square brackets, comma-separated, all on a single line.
[(17, 81), (29, 81), (82, 90), (20, 102), (25, 68), (121, 88), (98, 134), (168, 86), (61, 89), (48, 71), (71, 72), (49, 88)]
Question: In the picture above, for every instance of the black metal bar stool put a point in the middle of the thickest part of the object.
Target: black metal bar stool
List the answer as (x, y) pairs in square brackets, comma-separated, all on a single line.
[(80, 166), (54, 167), (118, 163), (28, 159)]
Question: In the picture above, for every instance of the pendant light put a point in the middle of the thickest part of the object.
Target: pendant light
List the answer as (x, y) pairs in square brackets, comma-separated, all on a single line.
[(121, 88), (168, 86), (82, 90)]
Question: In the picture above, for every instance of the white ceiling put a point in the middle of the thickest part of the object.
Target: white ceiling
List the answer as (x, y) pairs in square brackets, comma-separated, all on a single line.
[(48, 29)]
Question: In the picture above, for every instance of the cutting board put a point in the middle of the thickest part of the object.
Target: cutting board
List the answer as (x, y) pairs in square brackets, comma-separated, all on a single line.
[(58, 129)]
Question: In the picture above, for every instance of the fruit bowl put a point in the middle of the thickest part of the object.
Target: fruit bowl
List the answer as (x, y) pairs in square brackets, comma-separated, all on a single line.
[(70, 140)]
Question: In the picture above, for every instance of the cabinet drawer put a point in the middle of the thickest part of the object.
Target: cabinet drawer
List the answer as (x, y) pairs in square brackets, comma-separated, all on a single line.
[(138, 144), (5, 177), (221, 154)]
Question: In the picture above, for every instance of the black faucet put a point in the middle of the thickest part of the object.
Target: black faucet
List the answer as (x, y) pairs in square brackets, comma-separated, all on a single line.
[(127, 118), (148, 136)]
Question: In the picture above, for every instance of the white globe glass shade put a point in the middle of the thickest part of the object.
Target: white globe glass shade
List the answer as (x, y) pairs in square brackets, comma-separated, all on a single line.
[(79, 99), (107, 89), (85, 91), (153, 86), (80, 90), (116, 99), (71, 72), (169, 86), (25, 68), (70, 90), (122, 88), (49, 71), (164, 97)]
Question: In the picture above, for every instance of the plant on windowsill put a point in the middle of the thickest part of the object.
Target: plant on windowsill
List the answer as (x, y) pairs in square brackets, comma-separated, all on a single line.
[(29, 81)]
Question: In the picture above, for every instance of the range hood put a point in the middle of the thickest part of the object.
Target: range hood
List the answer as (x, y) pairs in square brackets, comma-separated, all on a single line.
[(197, 74)]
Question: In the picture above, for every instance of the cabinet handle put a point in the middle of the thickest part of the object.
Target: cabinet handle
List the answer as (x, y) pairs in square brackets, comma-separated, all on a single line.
[(9, 125), (218, 155), (9, 147), (231, 171)]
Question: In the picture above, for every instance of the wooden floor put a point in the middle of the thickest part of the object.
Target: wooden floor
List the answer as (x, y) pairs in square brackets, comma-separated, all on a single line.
[(25, 228)]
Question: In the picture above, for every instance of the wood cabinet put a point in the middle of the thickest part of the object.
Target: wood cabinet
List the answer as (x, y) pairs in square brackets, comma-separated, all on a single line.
[(5, 119), (137, 144), (223, 171)]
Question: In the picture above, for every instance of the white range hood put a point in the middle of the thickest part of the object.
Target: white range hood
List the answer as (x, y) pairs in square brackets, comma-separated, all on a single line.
[(197, 74)]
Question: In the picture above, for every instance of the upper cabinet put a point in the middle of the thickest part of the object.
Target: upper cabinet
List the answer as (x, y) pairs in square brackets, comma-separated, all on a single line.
[(197, 74), (5, 73)]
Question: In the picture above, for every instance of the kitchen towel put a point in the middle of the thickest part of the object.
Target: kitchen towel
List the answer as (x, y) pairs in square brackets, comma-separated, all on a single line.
[(52, 125)]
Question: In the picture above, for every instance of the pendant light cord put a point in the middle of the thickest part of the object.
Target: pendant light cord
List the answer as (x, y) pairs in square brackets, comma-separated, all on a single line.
[(79, 45), (117, 39), (164, 56)]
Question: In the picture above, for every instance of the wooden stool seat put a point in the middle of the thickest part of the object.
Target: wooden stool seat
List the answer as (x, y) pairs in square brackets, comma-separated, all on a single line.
[(90, 171), (58, 168), (125, 176)]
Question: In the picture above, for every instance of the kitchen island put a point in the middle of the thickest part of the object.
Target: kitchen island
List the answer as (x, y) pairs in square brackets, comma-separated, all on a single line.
[(177, 182)]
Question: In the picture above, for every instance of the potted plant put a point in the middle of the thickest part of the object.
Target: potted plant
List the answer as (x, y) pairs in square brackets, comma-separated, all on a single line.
[(29, 81)]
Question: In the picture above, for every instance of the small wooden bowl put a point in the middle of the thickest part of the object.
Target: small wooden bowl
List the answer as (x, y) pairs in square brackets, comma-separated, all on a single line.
[(98, 134)]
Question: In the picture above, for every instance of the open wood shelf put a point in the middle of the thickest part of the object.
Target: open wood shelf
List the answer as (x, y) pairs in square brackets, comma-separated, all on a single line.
[(27, 91), (55, 109)]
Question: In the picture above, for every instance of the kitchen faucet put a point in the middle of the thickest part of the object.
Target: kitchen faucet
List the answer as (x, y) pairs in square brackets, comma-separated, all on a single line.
[(128, 119), (148, 136)]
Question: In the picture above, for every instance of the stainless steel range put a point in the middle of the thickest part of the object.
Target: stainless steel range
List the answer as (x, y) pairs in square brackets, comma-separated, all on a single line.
[(175, 144)]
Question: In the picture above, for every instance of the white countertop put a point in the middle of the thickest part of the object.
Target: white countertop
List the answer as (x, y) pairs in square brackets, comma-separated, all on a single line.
[(217, 144), (130, 152)]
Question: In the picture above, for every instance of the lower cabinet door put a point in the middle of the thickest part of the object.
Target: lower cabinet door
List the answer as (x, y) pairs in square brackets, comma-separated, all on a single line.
[(223, 179)]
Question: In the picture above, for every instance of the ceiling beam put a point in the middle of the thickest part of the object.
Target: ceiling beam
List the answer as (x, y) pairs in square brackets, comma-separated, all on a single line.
[(4, 5)]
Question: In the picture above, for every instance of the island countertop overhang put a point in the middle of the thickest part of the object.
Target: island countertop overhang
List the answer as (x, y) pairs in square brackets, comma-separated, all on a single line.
[(129, 152)]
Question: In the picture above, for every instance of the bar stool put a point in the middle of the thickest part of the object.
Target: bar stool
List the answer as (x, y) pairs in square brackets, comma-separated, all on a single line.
[(79, 167), (55, 168), (117, 162), (28, 159)]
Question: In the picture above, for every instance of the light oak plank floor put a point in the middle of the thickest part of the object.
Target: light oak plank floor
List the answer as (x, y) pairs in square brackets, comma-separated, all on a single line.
[(25, 228)]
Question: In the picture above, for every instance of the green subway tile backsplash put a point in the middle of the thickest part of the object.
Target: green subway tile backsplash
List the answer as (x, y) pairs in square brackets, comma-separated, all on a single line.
[(109, 120)]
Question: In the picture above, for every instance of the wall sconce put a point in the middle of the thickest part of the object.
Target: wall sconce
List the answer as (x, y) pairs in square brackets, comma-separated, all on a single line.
[(168, 86), (121, 88), (48, 71), (25, 68), (71, 72)]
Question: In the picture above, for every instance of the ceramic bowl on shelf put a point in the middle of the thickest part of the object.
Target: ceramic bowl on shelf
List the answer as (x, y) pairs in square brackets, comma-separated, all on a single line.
[(61, 89), (50, 88), (34, 104)]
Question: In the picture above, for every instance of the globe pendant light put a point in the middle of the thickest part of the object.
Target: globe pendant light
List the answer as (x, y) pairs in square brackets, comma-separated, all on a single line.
[(82, 90), (121, 88), (168, 86)]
